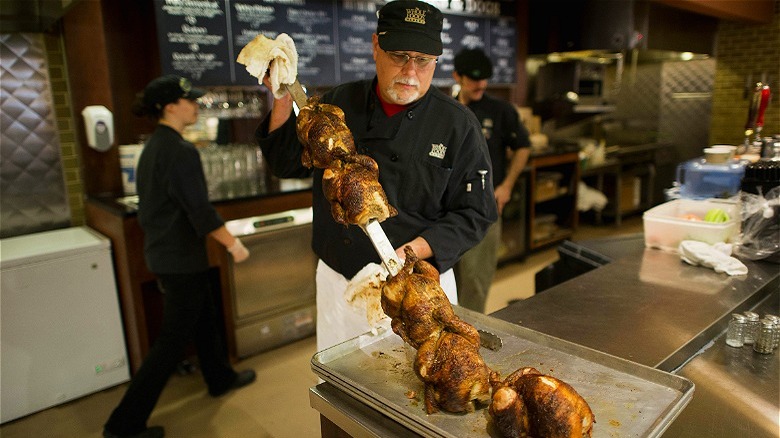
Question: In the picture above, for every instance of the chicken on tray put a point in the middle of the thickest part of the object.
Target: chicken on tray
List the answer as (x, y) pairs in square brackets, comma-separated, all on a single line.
[(448, 360), (530, 404), (456, 377)]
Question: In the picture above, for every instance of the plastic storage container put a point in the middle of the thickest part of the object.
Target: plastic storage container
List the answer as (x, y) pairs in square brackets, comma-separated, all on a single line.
[(699, 179), (668, 224)]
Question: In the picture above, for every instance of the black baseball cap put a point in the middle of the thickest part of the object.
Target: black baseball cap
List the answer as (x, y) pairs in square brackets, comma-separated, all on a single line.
[(168, 89), (474, 64), (410, 26)]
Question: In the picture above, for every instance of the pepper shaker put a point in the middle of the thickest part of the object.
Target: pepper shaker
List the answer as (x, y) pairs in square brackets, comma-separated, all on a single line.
[(765, 337), (776, 320), (752, 327), (735, 335)]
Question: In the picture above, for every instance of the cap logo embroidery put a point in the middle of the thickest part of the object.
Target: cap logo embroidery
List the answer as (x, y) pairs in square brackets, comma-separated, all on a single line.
[(185, 85), (415, 15), (438, 151)]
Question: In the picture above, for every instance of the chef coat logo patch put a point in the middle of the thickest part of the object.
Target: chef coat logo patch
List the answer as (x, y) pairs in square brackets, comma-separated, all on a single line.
[(415, 15), (438, 151)]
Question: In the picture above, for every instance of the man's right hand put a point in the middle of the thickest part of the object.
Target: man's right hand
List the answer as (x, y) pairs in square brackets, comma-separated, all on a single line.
[(238, 251)]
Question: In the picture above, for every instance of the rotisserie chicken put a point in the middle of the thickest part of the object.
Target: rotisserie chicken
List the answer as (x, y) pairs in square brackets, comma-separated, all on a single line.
[(448, 360), (324, 134), (530, 404), (352, 188), (418, 306), (351, 180), (454, 373)]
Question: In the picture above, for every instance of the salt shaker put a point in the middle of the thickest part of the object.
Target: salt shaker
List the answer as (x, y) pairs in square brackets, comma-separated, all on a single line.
[(752, 327), (776, 320), (735, 335), (765, 337)]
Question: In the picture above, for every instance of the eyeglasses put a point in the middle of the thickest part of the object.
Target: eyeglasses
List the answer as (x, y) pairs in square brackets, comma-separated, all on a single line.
[(400, 59)]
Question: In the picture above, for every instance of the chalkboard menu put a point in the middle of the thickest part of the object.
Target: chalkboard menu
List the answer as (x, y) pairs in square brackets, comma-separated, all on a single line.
[(200, 39)]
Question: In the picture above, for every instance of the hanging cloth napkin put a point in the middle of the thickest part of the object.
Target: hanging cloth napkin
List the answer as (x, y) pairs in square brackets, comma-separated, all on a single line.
[(717, 257), (278, 55)]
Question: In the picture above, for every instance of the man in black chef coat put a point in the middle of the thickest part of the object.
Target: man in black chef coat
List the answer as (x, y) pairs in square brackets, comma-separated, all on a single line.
[(434, 165), (504, 134)]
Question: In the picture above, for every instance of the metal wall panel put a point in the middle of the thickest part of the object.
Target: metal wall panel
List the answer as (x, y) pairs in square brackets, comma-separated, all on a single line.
[(686, 105), (33, 196)]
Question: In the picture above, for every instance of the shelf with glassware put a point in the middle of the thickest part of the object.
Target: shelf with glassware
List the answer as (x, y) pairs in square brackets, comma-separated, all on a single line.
[(552, 198)]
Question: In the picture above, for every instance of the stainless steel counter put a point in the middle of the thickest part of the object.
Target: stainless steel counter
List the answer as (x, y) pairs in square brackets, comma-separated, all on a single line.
[(737, 390), (646, 306), (650, 307)]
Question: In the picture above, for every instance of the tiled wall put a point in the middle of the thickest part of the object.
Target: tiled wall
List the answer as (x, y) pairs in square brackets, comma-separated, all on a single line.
[(58, 75), (744, 52)]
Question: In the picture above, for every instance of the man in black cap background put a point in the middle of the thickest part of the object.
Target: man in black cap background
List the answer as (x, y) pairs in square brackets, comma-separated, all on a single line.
[(433, 165), (505, 135), (176, 217)]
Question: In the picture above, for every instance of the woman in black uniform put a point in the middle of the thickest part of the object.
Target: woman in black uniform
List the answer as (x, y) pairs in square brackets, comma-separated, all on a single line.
[(176, 217)]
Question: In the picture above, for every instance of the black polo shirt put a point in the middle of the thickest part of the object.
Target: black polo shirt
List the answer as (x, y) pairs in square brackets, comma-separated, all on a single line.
[(173, 209), (430, 156), (502, 129)]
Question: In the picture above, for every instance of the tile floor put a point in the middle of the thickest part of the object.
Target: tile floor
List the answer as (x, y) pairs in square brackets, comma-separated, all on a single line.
[(277, 405)]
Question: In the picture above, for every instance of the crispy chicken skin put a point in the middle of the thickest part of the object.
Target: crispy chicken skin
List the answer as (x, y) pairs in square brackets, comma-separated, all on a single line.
[(350, 181), (528, 403), (509, 413), (353, 190), (324, 134), (448, 360), (418, 306), (454, 373)]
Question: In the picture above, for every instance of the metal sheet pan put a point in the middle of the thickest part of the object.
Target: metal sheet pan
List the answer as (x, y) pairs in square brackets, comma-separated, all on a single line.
[(628, 399)]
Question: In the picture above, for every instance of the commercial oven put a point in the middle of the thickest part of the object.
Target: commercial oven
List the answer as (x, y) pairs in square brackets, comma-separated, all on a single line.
[(273, 291)]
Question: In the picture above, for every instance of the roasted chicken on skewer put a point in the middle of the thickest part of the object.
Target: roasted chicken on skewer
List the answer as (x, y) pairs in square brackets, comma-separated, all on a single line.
[(352, 187), (448, 360), (324, 134), (351, 180)]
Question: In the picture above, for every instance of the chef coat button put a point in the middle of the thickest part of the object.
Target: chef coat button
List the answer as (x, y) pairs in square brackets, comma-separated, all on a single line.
[(394, 157), (347, 241), (410, 115)]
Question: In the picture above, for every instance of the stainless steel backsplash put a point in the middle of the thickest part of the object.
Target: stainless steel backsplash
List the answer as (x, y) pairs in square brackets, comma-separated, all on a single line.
[(33, 195)]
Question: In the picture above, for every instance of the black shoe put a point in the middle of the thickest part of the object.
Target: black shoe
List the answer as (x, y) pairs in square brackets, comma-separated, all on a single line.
[(149, 432), (243, 378)]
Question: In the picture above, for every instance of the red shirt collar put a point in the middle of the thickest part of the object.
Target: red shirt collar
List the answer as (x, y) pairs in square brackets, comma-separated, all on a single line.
[(390, 109)]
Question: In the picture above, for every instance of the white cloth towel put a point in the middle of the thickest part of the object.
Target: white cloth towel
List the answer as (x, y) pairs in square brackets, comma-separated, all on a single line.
[(589, 198), (278, 56), (717, 257), (364, 291)]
